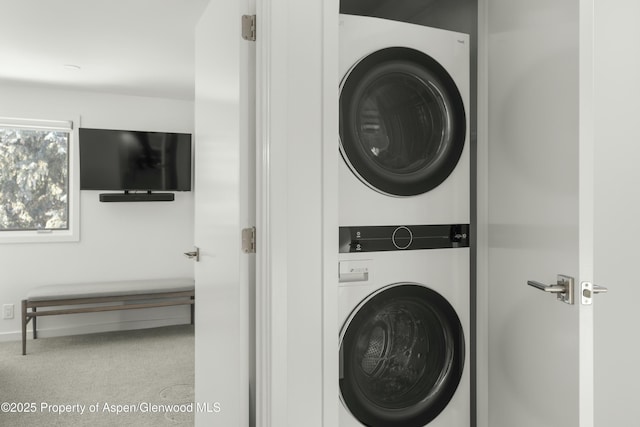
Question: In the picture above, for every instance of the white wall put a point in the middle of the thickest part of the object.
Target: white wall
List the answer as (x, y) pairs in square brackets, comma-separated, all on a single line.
[(117, 240)]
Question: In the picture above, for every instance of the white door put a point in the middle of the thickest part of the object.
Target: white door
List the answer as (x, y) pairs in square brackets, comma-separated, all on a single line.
[(224, 204), (539, 211)]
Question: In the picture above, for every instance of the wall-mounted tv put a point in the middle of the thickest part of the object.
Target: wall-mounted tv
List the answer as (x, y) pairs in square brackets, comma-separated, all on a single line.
[(134, 161)]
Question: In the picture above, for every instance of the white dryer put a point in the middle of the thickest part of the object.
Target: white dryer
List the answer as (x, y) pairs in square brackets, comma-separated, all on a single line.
[(404, 123), (404, 338)]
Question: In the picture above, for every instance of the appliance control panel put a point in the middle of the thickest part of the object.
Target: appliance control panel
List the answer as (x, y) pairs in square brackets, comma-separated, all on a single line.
[(403, 237)]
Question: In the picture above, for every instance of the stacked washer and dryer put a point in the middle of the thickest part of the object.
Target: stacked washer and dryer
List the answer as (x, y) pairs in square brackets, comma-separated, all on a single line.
[(404, 212)]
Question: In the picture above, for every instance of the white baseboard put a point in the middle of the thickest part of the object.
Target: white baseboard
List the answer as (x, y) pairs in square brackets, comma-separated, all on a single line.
[(95, 328)]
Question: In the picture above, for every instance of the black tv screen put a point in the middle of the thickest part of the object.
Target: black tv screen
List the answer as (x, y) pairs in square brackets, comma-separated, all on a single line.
[(134, 160)]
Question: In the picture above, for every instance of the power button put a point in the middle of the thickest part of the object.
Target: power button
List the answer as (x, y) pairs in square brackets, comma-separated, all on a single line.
[(402, 237)]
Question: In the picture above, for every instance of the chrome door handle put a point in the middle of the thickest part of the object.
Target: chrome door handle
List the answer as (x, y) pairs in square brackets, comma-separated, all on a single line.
[(547, 288), (600, 289), (588, 289), (563, 288), (194, 255)]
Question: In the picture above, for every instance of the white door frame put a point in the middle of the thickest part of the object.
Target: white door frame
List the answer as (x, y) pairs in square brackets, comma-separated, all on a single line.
[(482, 223), (586, 206), (297, 221)]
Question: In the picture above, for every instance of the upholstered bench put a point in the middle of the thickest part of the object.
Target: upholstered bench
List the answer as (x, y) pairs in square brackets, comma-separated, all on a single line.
[(105, 296)]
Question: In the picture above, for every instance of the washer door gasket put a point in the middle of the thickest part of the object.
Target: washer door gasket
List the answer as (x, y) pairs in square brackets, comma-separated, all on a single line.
[(402, 122), (402, 354)]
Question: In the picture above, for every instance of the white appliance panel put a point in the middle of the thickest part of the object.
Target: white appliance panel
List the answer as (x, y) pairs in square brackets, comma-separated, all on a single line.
[(449, 202), (445, 271)]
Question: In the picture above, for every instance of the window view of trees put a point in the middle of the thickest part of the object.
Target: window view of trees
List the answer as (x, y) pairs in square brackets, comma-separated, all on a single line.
[(34, 182)]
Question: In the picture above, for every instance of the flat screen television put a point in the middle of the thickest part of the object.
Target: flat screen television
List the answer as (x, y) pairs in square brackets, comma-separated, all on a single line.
[(128, 160)]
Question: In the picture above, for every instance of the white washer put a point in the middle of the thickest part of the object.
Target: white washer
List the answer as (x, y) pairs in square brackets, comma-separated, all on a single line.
[(404, 123), (404, 338)]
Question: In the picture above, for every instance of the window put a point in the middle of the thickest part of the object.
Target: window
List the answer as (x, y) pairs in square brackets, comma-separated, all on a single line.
[(38, 189)]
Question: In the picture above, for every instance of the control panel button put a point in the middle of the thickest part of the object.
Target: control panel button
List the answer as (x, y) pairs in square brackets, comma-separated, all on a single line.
[(402, 237)]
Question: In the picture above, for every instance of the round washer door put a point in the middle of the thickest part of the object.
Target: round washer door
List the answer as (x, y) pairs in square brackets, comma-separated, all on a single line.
[(402, 122), (401, 357)]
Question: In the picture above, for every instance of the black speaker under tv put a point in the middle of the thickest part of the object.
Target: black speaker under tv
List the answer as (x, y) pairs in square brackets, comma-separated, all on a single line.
[(137, 197), (135, 162)]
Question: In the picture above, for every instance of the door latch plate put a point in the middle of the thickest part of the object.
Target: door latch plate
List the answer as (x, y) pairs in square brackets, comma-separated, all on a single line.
[(586, 293)]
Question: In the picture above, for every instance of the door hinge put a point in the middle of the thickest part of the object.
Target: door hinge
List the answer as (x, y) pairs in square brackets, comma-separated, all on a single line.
[(249, 27), (249, 240)]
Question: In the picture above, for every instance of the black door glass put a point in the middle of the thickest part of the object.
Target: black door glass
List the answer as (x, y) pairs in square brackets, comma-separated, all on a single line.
[(402, 122), (402, 357)]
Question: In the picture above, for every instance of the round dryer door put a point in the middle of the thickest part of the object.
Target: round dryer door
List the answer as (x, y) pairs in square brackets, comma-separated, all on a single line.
[(402, 122), (401, 357)]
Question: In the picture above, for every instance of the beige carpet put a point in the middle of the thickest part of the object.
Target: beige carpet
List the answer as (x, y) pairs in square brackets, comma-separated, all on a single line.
[(133, 378)]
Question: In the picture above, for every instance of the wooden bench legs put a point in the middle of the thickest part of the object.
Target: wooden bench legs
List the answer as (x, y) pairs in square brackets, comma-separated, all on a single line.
[(193, 309), (24, 327), (34, 319)]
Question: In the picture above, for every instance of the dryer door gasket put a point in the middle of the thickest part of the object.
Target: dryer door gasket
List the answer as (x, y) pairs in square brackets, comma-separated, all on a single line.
[(402, 122)]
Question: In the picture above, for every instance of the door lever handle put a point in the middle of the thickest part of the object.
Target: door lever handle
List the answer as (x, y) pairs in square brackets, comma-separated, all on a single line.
[(555, 289), (597, 289), (563, 288), (194, 255)]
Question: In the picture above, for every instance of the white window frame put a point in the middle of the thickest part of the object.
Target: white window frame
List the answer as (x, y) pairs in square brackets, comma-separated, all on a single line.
[(72, 233)]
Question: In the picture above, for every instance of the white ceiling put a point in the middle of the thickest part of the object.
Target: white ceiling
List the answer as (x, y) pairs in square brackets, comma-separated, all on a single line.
[(135, 47)]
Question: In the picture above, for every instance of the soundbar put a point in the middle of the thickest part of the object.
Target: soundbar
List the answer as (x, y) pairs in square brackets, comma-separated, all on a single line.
[(137, 197)]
